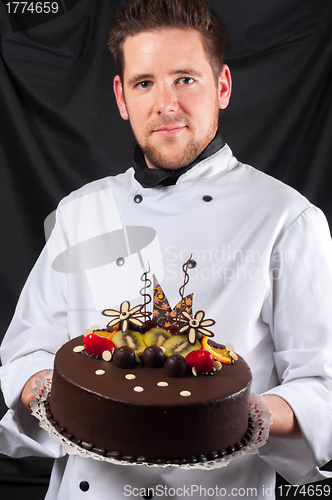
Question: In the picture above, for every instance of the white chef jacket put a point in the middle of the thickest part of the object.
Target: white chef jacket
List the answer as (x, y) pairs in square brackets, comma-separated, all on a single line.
[(263, 272)]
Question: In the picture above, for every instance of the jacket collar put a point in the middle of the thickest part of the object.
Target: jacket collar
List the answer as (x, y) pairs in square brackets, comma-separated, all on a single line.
[(150, 177)]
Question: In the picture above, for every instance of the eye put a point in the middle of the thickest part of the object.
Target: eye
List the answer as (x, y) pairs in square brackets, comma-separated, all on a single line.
[(186, 80), (143, 85)]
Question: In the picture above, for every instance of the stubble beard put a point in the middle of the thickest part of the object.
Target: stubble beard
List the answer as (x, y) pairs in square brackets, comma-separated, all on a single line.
[(160, 158)]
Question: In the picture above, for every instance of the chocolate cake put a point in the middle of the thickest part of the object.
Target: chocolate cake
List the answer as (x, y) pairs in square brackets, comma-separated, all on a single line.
[(144, 414), (145, 390)]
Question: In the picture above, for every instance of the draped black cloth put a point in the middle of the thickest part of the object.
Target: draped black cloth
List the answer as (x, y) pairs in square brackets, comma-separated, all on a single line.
[(60, 127)]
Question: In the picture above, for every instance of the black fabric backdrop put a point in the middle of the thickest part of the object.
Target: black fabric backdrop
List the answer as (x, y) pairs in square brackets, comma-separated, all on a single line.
[(60, 128)]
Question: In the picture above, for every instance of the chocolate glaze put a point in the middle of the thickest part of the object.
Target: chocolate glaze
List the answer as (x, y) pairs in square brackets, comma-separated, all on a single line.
[(106, 413)]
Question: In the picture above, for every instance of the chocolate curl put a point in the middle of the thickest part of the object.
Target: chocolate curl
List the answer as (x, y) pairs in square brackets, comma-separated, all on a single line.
[(181, 290), (143, 292)]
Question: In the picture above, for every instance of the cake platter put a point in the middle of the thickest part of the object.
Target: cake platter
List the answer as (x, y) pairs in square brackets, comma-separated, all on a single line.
[(258, 412)]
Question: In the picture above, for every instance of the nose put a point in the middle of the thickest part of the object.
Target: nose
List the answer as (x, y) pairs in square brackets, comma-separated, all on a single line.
[(166, 102)]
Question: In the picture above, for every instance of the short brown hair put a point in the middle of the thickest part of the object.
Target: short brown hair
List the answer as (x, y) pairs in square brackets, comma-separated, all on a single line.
[(138, 16)]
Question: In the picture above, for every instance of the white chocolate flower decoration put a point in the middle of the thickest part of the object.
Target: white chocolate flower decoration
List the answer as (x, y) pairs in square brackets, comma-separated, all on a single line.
[(125, 316), (195, 325)]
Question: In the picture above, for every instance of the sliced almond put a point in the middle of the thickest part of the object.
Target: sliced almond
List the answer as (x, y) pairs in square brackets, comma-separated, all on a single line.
[(233, 355), (217, 365), (194, 371), (130, 376), (95, 327), (162, 384), (100, 372), (138, 388), (78, 348), (107, 355), (138, 359), (229, 347), (87, 332), (185, 394)]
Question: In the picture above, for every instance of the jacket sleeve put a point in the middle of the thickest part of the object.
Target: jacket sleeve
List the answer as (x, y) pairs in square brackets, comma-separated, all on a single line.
[(38, 329), (299, 313)]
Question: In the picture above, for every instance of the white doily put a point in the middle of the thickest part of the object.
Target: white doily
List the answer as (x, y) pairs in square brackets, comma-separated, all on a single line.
[(258, 412)]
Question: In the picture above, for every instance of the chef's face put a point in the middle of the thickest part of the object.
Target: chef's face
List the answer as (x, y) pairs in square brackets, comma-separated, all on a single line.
[(170, 95)]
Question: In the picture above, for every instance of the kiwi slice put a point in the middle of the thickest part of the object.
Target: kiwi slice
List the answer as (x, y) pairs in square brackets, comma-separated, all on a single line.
[(156, 336), (178, 344), (131, 339)]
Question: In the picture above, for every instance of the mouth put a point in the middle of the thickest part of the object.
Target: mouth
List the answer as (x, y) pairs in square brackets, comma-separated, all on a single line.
[(165, 131)]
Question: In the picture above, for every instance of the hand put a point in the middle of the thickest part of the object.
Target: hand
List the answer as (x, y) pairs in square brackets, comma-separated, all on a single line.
[(284, 421), (27, 394)]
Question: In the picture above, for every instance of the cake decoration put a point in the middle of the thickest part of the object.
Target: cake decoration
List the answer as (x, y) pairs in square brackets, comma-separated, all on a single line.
[(100, 372), (153, 357), (201, 360), (125, 316), (217, 365), (143, 292), (124, 357), (156, 336), (176, 366), (152, 340), (132, 339), (195, 325), (185, 394), (107, 355), (78, 348), (95, 344), (163, 314), (168, 339), (218, 354)]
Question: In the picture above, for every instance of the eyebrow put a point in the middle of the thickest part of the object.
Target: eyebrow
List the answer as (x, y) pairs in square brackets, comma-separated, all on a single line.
[(147, 76), (139, 78)]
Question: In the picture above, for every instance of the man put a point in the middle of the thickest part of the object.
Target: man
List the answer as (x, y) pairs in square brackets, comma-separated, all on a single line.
[(261, 262)]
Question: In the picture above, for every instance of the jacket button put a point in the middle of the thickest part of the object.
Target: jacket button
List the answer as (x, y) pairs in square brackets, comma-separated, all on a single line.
[(138, 198), (207, 198), (84, 485)]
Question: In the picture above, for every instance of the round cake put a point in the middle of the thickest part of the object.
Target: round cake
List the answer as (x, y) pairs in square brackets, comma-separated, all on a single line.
[(144, 414)]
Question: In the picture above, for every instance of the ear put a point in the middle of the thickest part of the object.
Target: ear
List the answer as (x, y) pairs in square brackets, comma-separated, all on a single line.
[(118, 91), (225, 87)]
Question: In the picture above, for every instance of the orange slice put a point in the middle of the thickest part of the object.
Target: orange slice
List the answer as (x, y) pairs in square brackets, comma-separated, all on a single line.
[(105, 333), (218, 354)]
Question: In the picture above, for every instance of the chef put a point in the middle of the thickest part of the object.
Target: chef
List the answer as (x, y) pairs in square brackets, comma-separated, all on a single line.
[(260, 265)]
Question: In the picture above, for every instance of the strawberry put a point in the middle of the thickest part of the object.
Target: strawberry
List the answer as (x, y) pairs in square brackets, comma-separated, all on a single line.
[(201, 359), (94, 344)]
